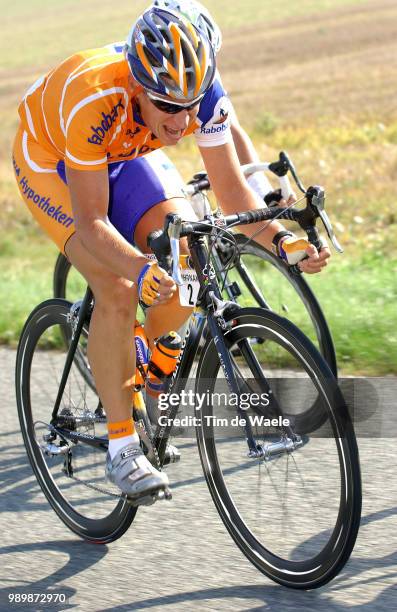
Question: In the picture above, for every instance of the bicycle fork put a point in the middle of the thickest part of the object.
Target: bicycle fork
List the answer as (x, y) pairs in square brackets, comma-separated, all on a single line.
[(289, 440), (217, 308)]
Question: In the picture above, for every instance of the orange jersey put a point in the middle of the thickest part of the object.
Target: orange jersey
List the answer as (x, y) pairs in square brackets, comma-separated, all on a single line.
[(83, 111)]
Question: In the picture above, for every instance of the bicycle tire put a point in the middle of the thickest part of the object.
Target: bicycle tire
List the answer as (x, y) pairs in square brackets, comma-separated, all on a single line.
[(60, 283), (299, 284), (311, 418), (48, 317), (331, 547), (302, 289)]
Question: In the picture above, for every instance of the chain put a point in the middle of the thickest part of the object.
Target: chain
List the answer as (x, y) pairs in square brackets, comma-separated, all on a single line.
[(145, 438), (89, 485), (152, 452), (99, 489)]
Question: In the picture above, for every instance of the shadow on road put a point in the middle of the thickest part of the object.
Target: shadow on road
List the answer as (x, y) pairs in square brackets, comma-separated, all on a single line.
[(82, 556), (270, 597), (18, 486), (284, 598), (18, 482), (19, 489)]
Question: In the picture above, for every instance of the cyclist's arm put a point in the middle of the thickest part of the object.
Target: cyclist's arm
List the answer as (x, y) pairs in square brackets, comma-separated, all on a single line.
[(246, 152), (230, 188), (90, 199)]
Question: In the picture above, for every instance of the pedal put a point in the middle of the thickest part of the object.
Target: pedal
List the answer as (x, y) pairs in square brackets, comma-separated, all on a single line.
[(150, 498)]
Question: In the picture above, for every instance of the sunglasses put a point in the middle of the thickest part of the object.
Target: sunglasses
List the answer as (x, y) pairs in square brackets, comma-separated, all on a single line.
[(171, 109)]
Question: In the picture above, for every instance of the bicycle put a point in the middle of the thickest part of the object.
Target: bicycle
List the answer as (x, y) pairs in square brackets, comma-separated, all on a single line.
[(275, 286), (260, 368)]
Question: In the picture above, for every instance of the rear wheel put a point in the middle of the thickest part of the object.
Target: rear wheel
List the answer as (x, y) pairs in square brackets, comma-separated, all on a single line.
[(69, 284), (291, 503), (70, 473)]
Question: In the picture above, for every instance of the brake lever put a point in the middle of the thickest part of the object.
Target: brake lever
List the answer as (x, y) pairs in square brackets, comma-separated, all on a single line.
[(174, 233), (287, 162), (317, 201), (158, 242)]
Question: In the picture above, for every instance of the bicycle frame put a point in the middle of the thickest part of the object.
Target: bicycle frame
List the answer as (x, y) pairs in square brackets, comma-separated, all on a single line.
[(212, 300), (83, 312), (211, 295), (208, 282)]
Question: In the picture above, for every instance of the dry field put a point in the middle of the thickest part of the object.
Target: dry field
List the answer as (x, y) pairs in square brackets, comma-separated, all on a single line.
[(321, 85), (335, 65), (315, 77)]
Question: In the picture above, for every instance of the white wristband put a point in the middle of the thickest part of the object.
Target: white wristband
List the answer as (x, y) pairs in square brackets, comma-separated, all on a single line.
[(260, 184)]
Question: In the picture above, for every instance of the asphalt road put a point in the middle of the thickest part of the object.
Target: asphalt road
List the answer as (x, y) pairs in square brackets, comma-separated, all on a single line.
[(178, 555)]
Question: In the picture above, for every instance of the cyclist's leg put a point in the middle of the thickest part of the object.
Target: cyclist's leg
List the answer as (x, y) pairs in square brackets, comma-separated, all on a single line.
[(42, 189), (142, 192), (111, 352), (111, 338)]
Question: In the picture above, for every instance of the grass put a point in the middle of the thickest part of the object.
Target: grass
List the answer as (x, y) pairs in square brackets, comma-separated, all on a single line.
[(358, 298), (314, 77)]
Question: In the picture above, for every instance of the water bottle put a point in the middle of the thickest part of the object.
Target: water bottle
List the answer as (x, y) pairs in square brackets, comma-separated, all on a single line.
[(162, 363)]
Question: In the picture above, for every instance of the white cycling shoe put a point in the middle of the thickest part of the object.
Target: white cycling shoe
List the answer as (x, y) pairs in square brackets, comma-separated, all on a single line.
[(136, 477)]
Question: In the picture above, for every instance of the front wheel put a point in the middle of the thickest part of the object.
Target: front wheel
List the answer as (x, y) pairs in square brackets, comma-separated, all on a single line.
[(70, 473), (291, 503)]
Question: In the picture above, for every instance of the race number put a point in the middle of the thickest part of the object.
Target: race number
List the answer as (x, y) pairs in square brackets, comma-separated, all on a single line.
[(188, 292)]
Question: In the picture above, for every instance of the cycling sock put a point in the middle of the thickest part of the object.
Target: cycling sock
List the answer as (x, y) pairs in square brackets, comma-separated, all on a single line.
[(120, 434)]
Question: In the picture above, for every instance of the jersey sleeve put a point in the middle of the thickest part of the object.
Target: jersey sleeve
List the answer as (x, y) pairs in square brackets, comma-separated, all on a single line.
[(82, 154), (213, 118), (91, 127)]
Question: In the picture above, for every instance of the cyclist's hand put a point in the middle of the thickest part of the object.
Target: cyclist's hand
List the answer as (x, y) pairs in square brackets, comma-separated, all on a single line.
[(298, 251), (274, 198), (315, 261), (155, 286)]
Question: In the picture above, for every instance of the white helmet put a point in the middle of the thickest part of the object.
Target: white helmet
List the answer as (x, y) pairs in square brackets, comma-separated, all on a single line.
[(198, 15), (170, 57)]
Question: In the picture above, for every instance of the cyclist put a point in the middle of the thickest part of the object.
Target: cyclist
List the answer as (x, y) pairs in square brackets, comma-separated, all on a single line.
[(81, 126), (202, 19)]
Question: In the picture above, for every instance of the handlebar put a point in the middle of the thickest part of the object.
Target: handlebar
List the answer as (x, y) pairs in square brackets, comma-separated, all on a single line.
[(165, 243), (279, 168)]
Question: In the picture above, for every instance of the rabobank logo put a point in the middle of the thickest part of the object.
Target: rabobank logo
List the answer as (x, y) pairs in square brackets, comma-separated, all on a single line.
[(98, 133), (214, 129), (142, 353), (220, 120)]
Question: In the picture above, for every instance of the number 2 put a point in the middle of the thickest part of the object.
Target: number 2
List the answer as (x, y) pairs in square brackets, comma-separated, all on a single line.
[(190, 289)]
